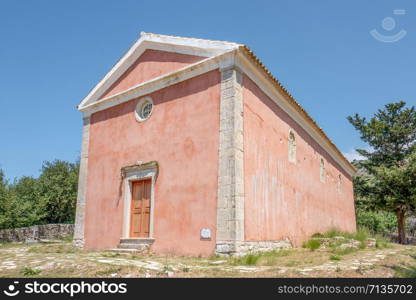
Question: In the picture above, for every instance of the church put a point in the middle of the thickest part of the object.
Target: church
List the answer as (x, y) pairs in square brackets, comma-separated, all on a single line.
[(192, 147)]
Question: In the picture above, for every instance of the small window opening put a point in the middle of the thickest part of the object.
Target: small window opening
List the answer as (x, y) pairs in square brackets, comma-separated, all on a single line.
[(144, 109)]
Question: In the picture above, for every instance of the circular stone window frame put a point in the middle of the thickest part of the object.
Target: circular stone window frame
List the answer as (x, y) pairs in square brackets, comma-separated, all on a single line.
[(139, 109)]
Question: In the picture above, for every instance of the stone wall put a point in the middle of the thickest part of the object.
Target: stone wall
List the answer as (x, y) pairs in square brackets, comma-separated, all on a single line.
[(239, 248), (36, 232)]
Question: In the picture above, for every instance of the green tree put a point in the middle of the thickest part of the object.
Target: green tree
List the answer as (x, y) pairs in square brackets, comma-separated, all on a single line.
[(387, 179), (57, 191), (8, 204), (51, 198), (3, 199), (26, 209)]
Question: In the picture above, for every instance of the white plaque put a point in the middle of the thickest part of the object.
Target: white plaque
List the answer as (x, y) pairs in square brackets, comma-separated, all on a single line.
[(206, 233)]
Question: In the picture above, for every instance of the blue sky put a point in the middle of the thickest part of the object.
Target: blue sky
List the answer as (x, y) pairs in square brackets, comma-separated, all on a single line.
[(53, 52)]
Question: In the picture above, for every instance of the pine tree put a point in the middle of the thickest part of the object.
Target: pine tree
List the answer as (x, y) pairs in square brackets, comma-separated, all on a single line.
[(389, 180)]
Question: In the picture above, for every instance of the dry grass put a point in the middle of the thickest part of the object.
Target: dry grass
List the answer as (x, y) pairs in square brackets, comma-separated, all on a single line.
[(62, 260)]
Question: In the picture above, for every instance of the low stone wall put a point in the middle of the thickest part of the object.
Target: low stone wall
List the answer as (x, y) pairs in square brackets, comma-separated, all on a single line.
[(36, 232)]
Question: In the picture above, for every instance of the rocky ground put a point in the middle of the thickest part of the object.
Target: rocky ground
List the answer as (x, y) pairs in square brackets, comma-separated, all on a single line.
[(60, 259)]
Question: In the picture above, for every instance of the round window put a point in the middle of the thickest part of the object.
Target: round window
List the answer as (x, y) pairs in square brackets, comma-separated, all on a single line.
[(144, 109)]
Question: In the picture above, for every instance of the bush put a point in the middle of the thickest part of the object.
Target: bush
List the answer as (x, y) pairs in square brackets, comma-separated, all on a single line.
[(361, 235), (376, 221), (57, 188)]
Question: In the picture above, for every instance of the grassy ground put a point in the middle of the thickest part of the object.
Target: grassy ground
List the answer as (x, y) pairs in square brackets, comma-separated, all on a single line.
[(63, 260)]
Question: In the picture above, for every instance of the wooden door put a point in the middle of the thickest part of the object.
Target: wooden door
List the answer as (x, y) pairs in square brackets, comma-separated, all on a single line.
[(140, 208)]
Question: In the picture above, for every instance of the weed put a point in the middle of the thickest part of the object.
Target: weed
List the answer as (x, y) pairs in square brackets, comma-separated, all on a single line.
[(108, 271), (111, 254), (271, 258), (250, 259), (29, 271), (312, 244), (265, 258), (332, 233), (406, 271), (9, 245), (278, 253), (291, 263), (53, 248), (185, 269), (361, 235), (166, 268), (344, 251), (382, 242), (335, 243), (67, 239), (216, 257), (335, 257)]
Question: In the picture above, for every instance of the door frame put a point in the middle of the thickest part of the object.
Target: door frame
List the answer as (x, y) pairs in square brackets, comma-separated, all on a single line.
[(142, 183), (137, 173)]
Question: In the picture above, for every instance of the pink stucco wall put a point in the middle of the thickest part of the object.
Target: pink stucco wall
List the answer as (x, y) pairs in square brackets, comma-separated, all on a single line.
[(182, 135), (151, 64), (284, 199)]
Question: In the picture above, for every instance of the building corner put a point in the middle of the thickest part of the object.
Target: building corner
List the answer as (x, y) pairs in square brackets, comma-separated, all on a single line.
[(230, 201), (79, 238)]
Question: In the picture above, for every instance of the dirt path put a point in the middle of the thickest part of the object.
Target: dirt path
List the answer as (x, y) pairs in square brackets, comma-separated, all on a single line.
[(62, 260)]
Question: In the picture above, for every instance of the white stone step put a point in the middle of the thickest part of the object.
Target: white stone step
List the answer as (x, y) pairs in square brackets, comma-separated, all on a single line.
[(139, 247), (141, 241)]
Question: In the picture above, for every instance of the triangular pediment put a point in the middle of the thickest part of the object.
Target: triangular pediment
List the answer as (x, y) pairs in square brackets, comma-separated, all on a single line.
[(153, 55), (151, 64)]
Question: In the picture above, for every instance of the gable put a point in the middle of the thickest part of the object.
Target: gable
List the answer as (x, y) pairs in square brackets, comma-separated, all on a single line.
[(151, 64), (180, 53)]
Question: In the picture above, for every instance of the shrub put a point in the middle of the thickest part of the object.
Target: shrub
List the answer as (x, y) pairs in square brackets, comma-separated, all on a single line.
[(361, 235), (376, 221)]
